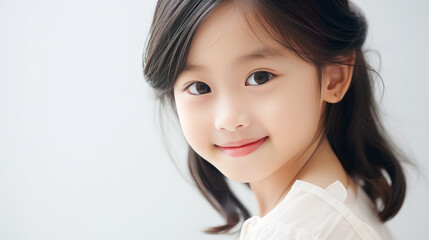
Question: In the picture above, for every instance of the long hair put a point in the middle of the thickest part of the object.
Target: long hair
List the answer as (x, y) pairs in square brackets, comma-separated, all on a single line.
[(319, 32)]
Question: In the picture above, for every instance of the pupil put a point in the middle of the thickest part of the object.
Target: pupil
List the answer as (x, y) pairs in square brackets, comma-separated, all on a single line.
[(201, 87), (261, 77)]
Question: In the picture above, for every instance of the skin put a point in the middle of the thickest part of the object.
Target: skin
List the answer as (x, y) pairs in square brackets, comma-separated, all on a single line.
[(286, 108)]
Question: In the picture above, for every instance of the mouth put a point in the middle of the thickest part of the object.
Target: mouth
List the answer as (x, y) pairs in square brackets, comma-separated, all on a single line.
[(243, 150)]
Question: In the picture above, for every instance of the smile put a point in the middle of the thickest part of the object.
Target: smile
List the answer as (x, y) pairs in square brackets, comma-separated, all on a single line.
[(243, 150)]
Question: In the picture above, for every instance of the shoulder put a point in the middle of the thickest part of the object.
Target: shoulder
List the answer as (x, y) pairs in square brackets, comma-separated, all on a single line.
[(309, 212)]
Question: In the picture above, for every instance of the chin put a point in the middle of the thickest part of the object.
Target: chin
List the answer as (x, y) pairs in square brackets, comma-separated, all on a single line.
[(239, 176), (239, 179)]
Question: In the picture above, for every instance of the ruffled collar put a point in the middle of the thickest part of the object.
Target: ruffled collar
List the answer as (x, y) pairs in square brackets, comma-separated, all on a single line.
[(335, 193)]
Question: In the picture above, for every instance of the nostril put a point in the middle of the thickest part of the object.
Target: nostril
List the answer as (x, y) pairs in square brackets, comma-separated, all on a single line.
[(231, 124)]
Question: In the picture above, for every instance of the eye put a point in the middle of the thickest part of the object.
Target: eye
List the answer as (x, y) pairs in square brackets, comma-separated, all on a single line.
[(258, 78), (198, 88)]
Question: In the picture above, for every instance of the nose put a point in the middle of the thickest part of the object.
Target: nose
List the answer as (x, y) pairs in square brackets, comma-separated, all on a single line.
[(231, 115)]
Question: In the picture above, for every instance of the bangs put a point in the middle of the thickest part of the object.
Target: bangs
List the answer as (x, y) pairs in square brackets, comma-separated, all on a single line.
[(288, 29)]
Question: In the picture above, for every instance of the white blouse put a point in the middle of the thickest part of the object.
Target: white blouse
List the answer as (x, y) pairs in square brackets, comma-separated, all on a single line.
[(311, 212)]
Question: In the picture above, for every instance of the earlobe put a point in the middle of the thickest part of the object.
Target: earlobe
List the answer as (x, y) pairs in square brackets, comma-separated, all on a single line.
[(337, 79)]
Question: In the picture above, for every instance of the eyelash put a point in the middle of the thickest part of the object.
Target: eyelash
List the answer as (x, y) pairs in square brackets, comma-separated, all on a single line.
[(271, 77)]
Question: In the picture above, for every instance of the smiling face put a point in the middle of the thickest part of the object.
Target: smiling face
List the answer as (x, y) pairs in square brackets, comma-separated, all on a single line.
[(238, 88)]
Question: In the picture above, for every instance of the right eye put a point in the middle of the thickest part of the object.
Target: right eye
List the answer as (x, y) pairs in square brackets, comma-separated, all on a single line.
[(198, 88)]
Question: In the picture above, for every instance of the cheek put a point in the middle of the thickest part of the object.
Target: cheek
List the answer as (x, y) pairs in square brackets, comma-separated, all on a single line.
[(195, 124), (292, 118)]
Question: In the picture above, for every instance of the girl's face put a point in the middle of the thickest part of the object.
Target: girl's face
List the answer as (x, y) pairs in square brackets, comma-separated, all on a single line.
[(237, 89)]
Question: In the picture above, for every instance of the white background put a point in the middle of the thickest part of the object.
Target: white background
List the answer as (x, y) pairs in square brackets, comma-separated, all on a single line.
[(80, 153)]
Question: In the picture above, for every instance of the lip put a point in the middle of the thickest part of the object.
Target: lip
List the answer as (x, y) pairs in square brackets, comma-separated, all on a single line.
[(241, 148)]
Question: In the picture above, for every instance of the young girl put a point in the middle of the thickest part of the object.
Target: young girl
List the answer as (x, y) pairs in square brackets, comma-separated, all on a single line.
[(277, 95)]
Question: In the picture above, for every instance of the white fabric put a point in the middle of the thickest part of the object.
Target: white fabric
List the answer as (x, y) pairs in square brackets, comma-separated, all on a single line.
[(311, 212)]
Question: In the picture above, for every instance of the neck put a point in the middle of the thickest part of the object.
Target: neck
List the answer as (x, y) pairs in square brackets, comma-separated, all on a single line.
[(317, 165)]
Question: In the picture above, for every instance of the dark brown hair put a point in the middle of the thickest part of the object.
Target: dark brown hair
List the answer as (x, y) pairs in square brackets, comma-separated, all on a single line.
[(320, 32)]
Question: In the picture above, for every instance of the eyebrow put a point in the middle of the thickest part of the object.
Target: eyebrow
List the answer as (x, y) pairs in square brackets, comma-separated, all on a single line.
[(260, 53)]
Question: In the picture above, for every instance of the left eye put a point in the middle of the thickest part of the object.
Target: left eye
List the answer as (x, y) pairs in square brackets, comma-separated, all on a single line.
[(258, 78)]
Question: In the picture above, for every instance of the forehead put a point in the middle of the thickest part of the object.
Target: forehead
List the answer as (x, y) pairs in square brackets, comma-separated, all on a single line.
[(225, 35)]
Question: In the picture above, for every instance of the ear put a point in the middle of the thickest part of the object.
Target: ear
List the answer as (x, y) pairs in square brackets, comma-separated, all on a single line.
[(337, 79)]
